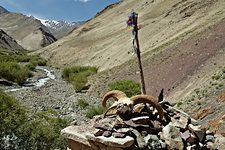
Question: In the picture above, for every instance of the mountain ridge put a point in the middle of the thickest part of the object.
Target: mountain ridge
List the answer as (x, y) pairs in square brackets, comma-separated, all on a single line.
[(3, 10), (7, 42), (25, 30), (61, 28)]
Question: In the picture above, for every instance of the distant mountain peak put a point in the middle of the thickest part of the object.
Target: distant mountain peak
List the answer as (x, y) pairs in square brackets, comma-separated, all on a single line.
[(60, 28), (3, 10)]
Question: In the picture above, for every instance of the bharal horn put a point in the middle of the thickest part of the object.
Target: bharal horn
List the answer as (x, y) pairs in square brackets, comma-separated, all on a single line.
[(116, 94), (148, 99)]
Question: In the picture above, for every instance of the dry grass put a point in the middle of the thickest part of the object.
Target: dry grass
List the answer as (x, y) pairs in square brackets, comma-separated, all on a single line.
[(221, 97), (202, 113)]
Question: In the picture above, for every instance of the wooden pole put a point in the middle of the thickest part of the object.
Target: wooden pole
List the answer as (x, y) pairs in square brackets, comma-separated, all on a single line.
[(135, 19)]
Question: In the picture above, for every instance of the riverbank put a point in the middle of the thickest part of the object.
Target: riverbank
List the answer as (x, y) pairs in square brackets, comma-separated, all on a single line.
[(56, 94)]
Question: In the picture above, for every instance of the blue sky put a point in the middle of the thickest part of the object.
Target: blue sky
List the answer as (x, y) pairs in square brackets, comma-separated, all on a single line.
[(69, 10)]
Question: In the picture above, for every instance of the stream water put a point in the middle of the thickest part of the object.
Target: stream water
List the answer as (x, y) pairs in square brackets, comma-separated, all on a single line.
[(49, 75)]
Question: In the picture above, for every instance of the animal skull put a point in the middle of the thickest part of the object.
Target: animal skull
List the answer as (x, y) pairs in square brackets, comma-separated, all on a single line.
[(121, 98)]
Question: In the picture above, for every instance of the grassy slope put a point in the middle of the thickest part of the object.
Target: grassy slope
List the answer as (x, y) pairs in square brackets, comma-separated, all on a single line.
[(182, 45)]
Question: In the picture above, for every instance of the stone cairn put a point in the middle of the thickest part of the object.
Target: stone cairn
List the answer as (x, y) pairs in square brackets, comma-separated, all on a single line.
[(131, 124)]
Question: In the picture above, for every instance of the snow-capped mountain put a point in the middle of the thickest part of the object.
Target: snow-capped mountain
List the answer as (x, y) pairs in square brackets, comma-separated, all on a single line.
[(60, 28)]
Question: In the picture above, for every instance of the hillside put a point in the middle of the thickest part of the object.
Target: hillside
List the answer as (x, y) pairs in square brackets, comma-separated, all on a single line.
[(105, 41), (27, 31), (7, 42), (182, 45), (3, 10)]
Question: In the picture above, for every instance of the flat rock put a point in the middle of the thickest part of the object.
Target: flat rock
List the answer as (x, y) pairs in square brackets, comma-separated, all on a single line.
[(171, 135), (74, 133), (112, 141)]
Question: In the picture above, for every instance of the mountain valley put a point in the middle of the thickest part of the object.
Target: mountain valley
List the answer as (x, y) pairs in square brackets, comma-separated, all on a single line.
[(182, 45)]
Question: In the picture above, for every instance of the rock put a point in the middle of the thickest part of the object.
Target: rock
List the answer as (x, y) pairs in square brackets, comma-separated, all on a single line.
[(6, 82), (219, 142), (186, 135), (178, 123), (134, 125), (112, 141), (141, 120), (107, 134), (211, 146), (200, 133), (118, 135), (210, 138), (139, 138), (124, 130), (98, 132), (171, 135), (153, 142), (103, 127), (156, 124), (208, 132)]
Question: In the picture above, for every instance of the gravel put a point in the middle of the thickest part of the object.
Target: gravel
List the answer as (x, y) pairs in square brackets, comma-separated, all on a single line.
[(55, 94)]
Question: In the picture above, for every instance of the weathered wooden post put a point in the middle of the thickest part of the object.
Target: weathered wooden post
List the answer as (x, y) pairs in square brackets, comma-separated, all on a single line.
[(135, 30)]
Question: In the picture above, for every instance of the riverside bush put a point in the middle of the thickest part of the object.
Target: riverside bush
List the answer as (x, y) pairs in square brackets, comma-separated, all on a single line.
[(129, 87), (12, 71), (78, 75), (20, 129)]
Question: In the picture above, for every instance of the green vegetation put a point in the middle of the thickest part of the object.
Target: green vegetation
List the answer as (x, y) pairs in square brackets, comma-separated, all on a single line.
[(129, 87), (78, 75), (12, 71), (215, 84), (82, 103), (11, 67), (21, 130), (95, 110)]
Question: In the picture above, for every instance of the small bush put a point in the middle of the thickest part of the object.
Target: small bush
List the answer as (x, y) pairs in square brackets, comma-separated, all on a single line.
[(37, 60), (129, 87), (216, 77), (78, 75), (82, 103), (179, 104), (31, 66), (12, 71), (39, 131), (95, 110), (22, 58)]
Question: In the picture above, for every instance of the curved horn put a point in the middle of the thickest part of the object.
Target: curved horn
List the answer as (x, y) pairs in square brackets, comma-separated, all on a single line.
[(148, 99), (116, 94)]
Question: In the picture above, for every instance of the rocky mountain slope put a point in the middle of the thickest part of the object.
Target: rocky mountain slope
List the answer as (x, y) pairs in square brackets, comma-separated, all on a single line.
[(60, 28), (7, 42), (3, 10), (182, 47), (27, 31)]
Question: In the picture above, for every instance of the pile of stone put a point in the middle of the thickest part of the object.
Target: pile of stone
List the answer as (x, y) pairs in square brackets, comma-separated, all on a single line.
[(175, 131), (127, 125)]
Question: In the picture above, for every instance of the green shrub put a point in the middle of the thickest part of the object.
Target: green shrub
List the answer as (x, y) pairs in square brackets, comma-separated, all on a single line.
[(22, 58), (216, 77), (129, 87), (12, 116), (95, 110), (78, 75), (37, 60), (31, 66), (179, 103), (12, 71), (38, 131), (82, 103), (43, 131)]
